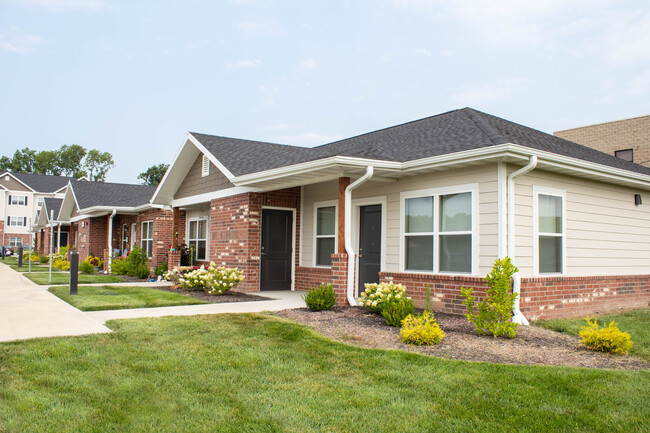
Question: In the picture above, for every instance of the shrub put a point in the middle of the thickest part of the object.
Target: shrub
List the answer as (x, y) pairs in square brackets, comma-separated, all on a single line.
[(142, 271), (135, 258), (119, 266), (375, 297), (608, 339), (94, 261), (320, 298), (397, 310), (495, 311), (43, 259), (64, 265), (215, 280), (161, 269), (86, 267), (421, 330)]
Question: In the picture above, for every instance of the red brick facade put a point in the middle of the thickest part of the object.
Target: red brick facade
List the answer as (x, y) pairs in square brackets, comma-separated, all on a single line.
[(92, 237)]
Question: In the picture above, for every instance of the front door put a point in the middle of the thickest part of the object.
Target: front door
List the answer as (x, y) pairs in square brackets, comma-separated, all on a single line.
[(275, 267), (369, 245)]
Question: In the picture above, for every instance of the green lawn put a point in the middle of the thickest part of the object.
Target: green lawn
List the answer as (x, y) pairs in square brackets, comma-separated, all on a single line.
[(636, 323), (64, 278), (94, 298), (257, 373), (35, 268)]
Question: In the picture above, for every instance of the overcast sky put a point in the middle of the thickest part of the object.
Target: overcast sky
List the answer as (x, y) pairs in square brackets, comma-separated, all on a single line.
[(132, 77)]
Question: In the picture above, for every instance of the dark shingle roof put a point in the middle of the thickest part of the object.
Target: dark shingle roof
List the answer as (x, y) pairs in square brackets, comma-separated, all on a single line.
[(53, 204), (446, 133), (91, 194), (43, 182)]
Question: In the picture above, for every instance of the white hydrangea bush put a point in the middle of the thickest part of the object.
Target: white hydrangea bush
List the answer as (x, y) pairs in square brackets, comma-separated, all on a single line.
[(214, 279), (376, 296)]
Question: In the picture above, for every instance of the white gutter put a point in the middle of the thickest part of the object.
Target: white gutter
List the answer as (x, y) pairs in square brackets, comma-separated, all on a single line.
[(348, 232), (110, 239), (518, 316)]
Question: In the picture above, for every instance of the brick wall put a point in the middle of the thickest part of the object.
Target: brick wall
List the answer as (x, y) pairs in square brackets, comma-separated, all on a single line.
[(541, 298), (308, 277), (93, 238), (612, 136), (340, 277), (163, 234)]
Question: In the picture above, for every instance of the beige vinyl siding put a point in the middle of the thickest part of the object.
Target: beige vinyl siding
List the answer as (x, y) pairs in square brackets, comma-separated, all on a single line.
[(606, 234), (195, 183), (485, 176)]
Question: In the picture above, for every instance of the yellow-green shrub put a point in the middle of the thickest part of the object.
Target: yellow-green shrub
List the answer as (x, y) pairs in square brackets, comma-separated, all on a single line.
[(64, 265), (421, 330), (608, 339)]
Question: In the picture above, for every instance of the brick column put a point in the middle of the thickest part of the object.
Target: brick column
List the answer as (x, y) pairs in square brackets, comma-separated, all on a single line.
[(340, 278), (107, 256), (173, 259)]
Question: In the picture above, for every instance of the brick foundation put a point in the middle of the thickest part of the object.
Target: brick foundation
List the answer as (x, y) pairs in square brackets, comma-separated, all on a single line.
[(308, 277), (340, 277), (541, 298)]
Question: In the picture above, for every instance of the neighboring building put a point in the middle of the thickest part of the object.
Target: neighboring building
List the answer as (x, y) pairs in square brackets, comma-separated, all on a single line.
[(430, 204), (628, 139), (22, 194)]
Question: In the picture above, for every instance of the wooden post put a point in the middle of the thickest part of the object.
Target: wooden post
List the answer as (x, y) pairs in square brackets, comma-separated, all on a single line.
[(175, 225), (343, 183)]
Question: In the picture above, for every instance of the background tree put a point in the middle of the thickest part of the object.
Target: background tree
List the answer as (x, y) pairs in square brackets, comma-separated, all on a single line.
[(24, 161), (70, 160), (154, 174), (97, 165), (47, 162)]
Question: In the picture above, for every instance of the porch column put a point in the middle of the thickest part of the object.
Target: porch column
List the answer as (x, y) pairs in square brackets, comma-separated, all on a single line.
[(176, 213), (343, 183), (58, 238)]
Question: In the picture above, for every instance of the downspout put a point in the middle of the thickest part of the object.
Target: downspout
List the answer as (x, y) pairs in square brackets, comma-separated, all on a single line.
[(348, 232), (518, 317), (110, 239)]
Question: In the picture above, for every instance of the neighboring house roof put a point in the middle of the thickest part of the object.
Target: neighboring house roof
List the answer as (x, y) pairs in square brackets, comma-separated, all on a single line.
[(52, 204), (447, 133), (91, 194), (43, 182)]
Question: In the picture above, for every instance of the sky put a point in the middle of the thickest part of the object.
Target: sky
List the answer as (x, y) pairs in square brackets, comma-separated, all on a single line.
[(133, 77)]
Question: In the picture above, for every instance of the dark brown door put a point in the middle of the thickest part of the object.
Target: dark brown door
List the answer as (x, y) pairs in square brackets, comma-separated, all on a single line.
[(369, 245), (277, 250)]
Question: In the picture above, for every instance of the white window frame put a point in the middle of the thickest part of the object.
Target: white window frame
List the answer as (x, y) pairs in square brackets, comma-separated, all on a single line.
[(143, 239), (205, 166), (13, 221), (14, 241), (39, 202), (15, 200), (436, 193), (207, 236), (322, 204), (537, 190)]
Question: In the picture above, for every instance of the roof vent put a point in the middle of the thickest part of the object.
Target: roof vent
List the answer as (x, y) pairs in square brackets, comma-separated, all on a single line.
[(205, 167)]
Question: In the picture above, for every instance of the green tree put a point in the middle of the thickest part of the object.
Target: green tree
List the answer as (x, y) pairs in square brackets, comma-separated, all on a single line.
[(47, 162), (6, 163), (70, 160), (24, 161), (97, 165), (154, 174)]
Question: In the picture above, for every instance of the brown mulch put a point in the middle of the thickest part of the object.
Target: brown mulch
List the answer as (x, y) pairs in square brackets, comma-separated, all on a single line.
[(230, 296), (532, 345)]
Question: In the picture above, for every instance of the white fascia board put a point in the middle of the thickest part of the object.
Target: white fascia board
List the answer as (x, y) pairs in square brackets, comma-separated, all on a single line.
[(8, 173), (58, 190), (169, 169), (207, 197), (211, 157), (3, 187), (109, 209), (149, 206)]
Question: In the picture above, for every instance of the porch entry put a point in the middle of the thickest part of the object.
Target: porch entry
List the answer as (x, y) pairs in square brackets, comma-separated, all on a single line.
[(276, 249), (369, 245)]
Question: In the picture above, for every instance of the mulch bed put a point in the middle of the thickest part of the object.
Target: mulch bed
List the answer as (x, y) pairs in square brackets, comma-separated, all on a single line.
[(532, 345), (230, 296)]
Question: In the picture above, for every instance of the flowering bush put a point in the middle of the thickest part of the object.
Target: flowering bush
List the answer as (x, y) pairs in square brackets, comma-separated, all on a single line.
[(376, 296), (214, 279), (93, 261)]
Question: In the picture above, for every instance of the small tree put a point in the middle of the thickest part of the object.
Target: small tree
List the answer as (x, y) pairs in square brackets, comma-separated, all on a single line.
[(154, 174), (495, 311)]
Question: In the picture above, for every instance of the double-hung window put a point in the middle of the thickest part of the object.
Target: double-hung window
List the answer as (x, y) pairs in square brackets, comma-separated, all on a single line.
[(197, 237), (439, 231), (146, 242), (325, 229), (17, 200), (15, 242), (550, 231), (17, 221)]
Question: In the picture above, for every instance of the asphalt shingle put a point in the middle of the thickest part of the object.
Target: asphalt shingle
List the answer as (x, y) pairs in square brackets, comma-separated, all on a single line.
[(91, 194), (43, 182)]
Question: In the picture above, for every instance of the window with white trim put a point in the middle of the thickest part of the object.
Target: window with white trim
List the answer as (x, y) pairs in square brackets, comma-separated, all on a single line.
[(438, 232), (39, 202), (17, 221), (146, 244), (15, 242), (205, 166), (125, 238), (197, 238), (325, 235), (17, 200), (550, 233)]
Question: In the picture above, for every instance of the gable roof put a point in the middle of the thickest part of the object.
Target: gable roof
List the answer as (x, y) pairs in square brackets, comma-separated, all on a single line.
[(52, 204), (446, 133), (91, 194), (43, 182)]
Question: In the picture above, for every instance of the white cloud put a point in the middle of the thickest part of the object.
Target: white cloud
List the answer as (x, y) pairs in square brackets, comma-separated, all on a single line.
[(250, 63), (19, 44), (61, 5), (309, 139), (626, 40), (492, 92), (259, 26), (640, 84), (308, 64)]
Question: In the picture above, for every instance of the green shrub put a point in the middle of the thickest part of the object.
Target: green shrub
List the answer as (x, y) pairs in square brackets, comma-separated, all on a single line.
[(142, 271), (421, 330), (397, 310), (161, 269), (119, 266), (86, 268), (608, 339), (495, 311), (375, 297), (43, 259), (320, 298), (64, 265)]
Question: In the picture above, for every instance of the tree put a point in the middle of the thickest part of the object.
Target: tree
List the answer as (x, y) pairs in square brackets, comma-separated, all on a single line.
[(70, 158), (6, 163), (47, 162), (154, 174), (24, 161), (97, 165)]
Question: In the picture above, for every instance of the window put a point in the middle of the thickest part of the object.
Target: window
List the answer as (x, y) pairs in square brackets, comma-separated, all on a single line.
[(125, 238), (325, 229), (550, 232), (147, 238), (626, 154), (205, 166), (15, 242), (16, 221), (18, 200), (438, 232), (39, 203), (198, 237)]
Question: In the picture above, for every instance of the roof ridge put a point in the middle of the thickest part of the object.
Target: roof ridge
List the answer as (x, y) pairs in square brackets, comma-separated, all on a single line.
[(490, 131), (246, 139)]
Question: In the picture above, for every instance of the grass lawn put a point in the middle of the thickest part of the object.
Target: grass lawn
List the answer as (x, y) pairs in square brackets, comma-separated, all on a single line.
[(35, 267), (94, 298), (257, 373), (64, 278), (636, 323)]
